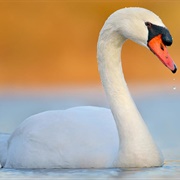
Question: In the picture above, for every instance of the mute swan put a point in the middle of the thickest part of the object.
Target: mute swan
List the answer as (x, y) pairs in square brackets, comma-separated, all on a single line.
[(94, 137)]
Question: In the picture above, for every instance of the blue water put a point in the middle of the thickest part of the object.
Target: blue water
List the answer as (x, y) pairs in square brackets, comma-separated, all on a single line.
[(159, 106), (169, 170)]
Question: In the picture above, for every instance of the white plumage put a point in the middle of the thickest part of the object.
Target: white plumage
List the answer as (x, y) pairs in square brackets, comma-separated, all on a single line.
[(90, 137)]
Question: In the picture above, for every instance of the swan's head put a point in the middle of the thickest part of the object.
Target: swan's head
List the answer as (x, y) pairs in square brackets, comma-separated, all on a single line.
[(145, 28)]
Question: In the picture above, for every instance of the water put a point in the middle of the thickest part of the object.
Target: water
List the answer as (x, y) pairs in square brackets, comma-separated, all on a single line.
[(169, 170), (158, 105)]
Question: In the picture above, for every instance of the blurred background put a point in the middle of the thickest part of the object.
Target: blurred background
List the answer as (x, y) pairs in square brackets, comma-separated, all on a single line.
[(48, 60), (53, 43)]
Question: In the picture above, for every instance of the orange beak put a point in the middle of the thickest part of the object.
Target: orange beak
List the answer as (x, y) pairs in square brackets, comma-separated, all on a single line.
[(159, 49)]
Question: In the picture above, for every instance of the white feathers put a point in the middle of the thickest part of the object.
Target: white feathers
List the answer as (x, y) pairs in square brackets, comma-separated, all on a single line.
[(88, 137)]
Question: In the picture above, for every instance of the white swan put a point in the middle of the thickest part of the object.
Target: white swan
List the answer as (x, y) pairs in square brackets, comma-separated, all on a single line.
[(90, 137)]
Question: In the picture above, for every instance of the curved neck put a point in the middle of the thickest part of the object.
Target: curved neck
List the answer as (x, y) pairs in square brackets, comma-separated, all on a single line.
[(135, 139)]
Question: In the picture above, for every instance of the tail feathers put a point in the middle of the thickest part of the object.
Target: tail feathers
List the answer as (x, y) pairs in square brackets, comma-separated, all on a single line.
[(3, 148)]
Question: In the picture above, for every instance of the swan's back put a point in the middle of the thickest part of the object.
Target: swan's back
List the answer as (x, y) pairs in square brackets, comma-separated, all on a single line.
[(78, 137)]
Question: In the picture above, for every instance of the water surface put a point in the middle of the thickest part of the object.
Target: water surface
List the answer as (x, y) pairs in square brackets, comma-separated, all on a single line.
[(160, 108)]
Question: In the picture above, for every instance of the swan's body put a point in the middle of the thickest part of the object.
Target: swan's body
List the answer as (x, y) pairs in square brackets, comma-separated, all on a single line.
[(72, 148), (88, 137)]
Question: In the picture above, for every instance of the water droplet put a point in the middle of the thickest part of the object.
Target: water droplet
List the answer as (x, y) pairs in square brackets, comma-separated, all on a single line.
[(174, 87)]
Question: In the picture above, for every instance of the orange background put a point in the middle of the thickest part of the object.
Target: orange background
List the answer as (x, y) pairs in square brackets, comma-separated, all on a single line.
[(54, 42)]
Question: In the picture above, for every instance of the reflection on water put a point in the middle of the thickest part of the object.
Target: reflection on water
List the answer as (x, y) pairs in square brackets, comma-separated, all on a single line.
[(169, 170), (159, 110)]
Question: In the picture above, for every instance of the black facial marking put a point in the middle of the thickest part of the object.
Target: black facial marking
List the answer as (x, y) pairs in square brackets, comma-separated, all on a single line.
[(155, 30)]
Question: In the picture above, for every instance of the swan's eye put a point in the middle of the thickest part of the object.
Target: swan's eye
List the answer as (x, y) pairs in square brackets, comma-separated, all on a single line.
[(148, 24)]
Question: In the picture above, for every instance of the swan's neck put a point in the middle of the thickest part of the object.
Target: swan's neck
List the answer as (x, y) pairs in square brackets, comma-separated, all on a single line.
[(137, 148)]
